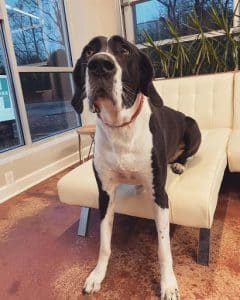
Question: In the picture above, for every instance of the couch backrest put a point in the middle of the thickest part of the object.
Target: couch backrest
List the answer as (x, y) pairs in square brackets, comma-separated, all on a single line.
[(236, 117), (206, 98)]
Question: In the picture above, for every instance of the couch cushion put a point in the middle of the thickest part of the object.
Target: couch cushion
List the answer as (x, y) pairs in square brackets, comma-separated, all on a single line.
[(206, 98), (236, 116), (234, 151), (234, 141), (193, 195)]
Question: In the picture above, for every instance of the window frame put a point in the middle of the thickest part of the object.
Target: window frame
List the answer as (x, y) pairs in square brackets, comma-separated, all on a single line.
[(12, 93), (128, 25), (17, 69)]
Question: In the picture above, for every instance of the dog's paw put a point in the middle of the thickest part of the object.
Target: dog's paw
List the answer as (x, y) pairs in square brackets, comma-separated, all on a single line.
[(169, 289), (177, 168), (92, 283)]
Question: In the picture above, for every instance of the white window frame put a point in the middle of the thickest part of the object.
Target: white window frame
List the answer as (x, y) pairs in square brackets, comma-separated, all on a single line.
[(15, 72), (128, 25)]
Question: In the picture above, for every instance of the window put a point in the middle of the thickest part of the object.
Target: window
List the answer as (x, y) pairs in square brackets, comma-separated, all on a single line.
[(39, 32), (151, 15), (48, 103), (10, 129), (184, 38), (41, 46)]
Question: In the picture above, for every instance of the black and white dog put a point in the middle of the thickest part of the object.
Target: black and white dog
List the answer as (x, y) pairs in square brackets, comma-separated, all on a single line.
[(136, 138)]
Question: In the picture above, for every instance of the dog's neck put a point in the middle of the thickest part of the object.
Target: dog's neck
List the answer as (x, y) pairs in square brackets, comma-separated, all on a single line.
[(114, 118)]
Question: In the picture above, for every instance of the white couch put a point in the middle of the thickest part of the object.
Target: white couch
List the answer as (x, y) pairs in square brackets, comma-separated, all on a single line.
[(214, 101)]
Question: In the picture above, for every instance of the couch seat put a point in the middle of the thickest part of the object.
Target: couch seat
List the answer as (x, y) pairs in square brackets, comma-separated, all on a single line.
[(193, 195)]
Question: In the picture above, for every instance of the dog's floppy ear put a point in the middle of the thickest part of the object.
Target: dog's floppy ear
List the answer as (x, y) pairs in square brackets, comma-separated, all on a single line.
[(146, 78), (146, 73), (79, 80)]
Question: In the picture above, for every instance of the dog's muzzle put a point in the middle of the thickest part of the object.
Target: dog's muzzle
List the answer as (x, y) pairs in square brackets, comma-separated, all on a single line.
[(101, 66), (101, 71)]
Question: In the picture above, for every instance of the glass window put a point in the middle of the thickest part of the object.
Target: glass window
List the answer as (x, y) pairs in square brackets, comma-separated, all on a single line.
[(151, 16), (10, 132), (39, 32), (48, 103), (40, 40)]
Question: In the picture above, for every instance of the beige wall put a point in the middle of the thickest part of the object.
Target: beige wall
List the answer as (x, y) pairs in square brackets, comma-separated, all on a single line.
[(28, 165), (23, 167), (87, 19)]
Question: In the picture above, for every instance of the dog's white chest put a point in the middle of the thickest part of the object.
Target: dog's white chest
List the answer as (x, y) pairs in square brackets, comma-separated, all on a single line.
[(124, 155)]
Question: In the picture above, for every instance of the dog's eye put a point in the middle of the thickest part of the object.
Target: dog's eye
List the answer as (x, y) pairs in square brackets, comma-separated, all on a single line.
[(124, 50), (89, 52)]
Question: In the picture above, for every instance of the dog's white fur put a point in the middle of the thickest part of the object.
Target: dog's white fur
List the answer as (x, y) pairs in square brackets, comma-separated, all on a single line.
[(123, 155)]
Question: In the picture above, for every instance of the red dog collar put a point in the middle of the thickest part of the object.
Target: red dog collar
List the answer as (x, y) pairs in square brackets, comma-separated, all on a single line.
[(136, 113)]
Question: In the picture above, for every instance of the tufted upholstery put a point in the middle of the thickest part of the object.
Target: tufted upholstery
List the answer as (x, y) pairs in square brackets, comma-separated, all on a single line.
[(214, 101), (207, 98)]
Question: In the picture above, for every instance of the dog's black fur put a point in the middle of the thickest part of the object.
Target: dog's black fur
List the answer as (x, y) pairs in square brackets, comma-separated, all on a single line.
[(170, 129), (174, 136)]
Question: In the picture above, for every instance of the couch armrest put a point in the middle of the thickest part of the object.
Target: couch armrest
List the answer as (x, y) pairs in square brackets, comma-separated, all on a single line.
[(234, 151)]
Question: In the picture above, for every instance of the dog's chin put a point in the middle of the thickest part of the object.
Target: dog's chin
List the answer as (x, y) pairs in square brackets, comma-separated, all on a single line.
[(97, 104), (99, 99)]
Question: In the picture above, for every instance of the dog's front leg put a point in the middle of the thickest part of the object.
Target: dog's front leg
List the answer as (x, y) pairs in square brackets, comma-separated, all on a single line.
[(169, 287), (156, 188), (106, 206)]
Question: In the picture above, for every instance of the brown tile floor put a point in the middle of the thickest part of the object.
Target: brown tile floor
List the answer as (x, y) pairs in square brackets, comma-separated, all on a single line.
[(42, 258)]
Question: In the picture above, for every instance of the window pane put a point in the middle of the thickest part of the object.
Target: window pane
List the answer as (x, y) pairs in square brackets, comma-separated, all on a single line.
[(37, 28), (151, 16), (48, 103), (10, 133)]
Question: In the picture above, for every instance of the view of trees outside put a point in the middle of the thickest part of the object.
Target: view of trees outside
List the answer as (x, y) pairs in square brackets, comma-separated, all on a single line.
[(151, 16), (37, 31)]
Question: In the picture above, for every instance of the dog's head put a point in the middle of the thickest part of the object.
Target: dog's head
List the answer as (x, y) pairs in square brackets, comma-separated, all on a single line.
[(114, 70)]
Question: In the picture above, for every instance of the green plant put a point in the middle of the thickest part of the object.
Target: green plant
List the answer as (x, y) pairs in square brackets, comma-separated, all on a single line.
[(204, 54), (162, 57), (173, 59), (231, 46), (179, 52)]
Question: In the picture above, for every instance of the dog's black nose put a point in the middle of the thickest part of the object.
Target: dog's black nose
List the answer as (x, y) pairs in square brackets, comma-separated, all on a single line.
[(101, 65)]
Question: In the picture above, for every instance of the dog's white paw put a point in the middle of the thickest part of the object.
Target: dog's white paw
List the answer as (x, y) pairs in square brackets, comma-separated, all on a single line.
[(169, 288), (92, 283), (177, 168)]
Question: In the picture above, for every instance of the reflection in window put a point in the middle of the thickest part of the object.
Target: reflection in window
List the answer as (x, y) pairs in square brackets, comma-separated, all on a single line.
[(151, 16), (37, 28), (48, 103), (10, 134)]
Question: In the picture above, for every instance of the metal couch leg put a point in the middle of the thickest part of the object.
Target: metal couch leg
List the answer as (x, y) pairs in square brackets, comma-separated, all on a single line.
[(203, 246), (83, 221)]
